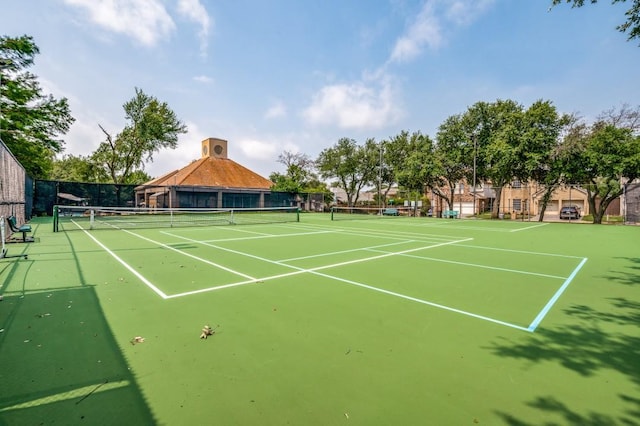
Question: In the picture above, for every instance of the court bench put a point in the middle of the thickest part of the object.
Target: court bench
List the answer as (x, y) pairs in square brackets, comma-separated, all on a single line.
[(23, 229), (390, 212), (450, 214)]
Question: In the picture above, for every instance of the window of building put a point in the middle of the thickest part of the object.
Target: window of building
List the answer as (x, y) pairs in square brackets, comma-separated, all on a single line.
[(516, 184), (517, 205)]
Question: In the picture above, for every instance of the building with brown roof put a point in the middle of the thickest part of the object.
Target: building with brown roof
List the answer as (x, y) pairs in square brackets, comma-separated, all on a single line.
[(213, 181)]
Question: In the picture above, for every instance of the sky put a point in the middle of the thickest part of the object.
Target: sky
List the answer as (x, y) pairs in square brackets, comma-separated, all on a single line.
[(290, 75)]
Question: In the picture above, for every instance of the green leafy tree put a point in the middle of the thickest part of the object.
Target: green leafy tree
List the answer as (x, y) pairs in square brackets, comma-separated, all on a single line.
[(630, 26), (30, 121), (299, 171), (602, 157), (395, 154), (550, 171), (498, 130), (78, 169), (300, 177), (453, 157), (353, 166), (151, 126), (419, 167)]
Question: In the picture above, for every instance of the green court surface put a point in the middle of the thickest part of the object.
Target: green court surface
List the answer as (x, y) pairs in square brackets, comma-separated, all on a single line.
[(389, 321)]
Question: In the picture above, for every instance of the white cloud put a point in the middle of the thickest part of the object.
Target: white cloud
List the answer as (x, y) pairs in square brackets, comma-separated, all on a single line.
[(427, 30), (203, 79), (464, 12), (195, 11), (424, 31), (257, 150), (366, 104), (276, 110), (146, 21)]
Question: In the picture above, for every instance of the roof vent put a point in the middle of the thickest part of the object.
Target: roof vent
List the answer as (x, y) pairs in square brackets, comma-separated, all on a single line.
[(214, 147)]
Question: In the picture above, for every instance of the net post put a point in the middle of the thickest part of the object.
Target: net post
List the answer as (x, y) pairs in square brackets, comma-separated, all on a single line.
[(55, 218), (298, 214), (92, 218), (331, 213), (2, 237), (231, 220)]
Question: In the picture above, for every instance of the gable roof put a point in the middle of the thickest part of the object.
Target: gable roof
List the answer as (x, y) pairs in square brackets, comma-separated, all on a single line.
[(213, 171)]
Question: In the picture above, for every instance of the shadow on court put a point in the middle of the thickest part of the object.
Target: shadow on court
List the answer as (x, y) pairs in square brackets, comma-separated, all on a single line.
[(61, 364), (59, 361), (595, 343)]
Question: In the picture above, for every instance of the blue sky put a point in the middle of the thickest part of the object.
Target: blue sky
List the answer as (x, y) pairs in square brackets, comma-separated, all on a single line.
[(270, 76)]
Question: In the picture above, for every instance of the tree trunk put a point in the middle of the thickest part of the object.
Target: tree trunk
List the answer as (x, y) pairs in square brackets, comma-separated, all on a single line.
[(545, 200), (495, 214)]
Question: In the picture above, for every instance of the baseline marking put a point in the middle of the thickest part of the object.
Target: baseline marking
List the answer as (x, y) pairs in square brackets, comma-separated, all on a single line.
[(536, 322)]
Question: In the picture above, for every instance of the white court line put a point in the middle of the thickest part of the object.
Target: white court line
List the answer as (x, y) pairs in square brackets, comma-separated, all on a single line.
[(537, 253), (418, 237), (259, 236), (415, 299), (298, 270), (378, 233), (475, 265), (536, 322), (316, 270), (529, 227), (191, 255), (125, 264), (343, 251)]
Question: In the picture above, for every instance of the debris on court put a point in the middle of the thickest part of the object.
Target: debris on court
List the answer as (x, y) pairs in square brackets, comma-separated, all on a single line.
[(137, 339), (207, 331)]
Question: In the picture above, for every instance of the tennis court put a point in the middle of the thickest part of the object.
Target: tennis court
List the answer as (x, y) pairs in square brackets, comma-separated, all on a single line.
[(387, 320)]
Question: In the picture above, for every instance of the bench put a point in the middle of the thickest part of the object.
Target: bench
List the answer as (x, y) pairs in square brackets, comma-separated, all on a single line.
[(390, 212), (23, 229), (450, 214)]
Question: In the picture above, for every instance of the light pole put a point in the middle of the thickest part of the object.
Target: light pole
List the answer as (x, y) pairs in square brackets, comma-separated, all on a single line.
[(380, 180), (473, 136)]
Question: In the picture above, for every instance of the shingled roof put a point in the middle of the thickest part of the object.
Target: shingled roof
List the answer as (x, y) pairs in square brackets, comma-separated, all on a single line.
[(214, 169)]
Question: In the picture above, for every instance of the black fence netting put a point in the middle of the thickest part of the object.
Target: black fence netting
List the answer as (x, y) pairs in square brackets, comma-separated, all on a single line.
[(48, 193)]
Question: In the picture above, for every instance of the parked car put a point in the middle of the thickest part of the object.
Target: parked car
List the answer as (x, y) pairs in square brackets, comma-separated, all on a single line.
[(569, 213)]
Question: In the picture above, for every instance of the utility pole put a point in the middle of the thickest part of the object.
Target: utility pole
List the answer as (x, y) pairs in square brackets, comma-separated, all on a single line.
[(380, 180), (473, 136)]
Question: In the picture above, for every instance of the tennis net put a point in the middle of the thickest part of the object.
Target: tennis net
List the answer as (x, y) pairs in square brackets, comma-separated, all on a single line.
[(357, 213), (67, 218)]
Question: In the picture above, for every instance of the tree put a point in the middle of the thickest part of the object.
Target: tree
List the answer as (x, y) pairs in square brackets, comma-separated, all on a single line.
[(395, 156), (30, 121), (550, 172), (77, 169), (151, 126), (601, 158), (453, 157), (540, 148), (353, 166), (631, 25), (299, 171)]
